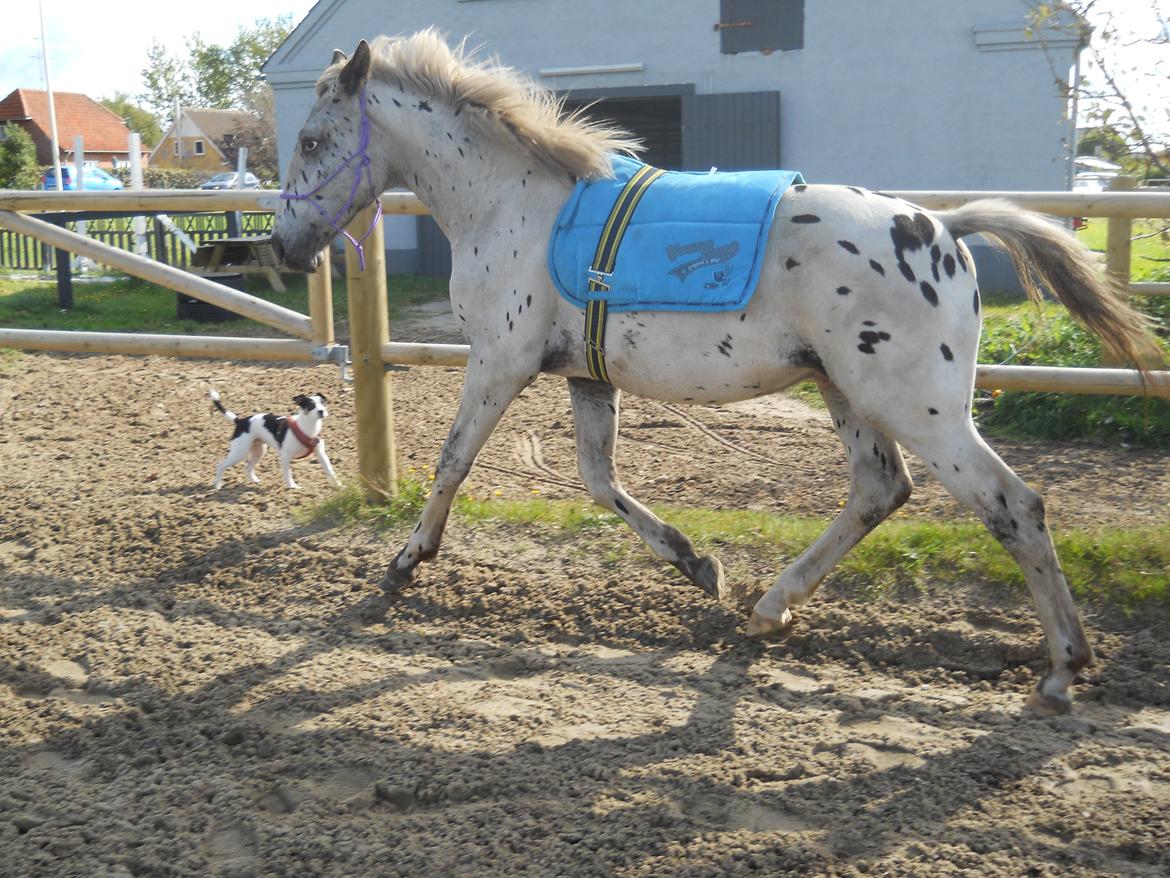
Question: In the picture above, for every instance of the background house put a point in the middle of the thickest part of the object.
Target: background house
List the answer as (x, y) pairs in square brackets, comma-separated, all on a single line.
[(905, 94), (202, 140), (107, 139)]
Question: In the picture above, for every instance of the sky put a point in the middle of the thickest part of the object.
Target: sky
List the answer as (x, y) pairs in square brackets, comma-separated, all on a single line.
[(1138, 58), (101, 49)]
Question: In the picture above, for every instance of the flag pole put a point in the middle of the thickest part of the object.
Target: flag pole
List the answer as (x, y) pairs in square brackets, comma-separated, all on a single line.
[(52, 107)]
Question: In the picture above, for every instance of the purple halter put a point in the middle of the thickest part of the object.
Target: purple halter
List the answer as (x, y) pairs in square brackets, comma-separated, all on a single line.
[(362, 157)]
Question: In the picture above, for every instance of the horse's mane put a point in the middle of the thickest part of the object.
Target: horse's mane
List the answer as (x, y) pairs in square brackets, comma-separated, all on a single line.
[(506, 102)]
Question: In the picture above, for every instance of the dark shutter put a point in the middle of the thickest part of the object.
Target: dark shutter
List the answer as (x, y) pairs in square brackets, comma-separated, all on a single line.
[(733, 132), (760, 25)]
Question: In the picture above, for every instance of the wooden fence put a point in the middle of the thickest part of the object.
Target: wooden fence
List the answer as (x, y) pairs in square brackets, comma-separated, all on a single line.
[(26, 253), (370, 349)]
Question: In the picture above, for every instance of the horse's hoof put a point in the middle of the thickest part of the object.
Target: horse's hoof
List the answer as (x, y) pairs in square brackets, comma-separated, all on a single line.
[(760, 625), (396, 580), (709, 577), (1043, 705)]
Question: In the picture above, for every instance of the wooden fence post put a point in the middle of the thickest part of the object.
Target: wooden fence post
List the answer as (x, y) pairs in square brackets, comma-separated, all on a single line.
[(1118, 249), (321, 300), (369, 329), (1118, 241)]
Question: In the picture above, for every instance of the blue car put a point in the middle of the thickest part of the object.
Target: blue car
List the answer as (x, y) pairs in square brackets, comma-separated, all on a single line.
[(95, 178)]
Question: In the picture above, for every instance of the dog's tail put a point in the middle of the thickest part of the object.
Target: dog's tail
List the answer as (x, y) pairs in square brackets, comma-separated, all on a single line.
[(214, 394)]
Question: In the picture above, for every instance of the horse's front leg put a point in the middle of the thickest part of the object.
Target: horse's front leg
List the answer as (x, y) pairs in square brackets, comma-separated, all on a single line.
[(595, 415), (487, 392)]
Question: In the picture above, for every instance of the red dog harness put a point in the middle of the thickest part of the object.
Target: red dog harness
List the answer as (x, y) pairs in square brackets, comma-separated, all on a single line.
[(310, 442)]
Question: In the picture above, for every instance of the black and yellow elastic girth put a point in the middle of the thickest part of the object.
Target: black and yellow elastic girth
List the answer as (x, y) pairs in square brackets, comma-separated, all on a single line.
[(603, 262)]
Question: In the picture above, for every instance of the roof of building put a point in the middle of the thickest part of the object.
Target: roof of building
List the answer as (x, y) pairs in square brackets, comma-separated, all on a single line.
[(217, 123), (77, 114)]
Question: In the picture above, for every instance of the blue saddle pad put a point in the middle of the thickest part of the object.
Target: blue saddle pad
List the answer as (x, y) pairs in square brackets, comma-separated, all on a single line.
[(695, 242)]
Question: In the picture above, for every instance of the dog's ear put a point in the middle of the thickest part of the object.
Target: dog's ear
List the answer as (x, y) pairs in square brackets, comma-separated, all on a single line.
[(321, 397), (302, 400)]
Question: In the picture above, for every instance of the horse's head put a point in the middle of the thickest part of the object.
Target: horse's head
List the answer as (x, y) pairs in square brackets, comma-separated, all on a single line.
[(330, 177)]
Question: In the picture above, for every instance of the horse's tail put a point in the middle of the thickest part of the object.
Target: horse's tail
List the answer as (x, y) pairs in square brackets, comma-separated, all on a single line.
[(1044, 254)]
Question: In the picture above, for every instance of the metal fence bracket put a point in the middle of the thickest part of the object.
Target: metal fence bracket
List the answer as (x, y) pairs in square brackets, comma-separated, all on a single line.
[(335, 353)]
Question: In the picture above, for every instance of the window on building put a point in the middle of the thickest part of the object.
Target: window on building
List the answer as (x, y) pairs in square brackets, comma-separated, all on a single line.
[(3, 133), (760, 25), (198, 147), (175, 147)]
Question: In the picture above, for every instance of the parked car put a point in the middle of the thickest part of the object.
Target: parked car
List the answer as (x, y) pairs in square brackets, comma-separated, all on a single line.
[(227, 180), (94, 178)]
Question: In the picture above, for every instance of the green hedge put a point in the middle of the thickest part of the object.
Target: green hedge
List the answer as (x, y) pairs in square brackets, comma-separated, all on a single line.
[(165, 178)]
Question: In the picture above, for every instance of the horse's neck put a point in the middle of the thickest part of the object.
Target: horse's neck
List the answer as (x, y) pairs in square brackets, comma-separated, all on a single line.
[(464, 177)]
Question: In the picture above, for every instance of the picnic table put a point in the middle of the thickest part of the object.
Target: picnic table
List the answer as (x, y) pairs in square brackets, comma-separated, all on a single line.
[(249, 255)]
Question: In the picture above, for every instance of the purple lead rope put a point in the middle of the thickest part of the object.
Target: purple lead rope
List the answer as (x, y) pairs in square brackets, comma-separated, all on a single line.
[(362, 156)]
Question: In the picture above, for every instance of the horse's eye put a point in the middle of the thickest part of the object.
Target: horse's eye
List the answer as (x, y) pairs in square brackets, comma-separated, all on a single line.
[(308, 144)]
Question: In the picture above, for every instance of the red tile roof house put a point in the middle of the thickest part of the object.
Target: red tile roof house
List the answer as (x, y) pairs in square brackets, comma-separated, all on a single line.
[(107, 139)]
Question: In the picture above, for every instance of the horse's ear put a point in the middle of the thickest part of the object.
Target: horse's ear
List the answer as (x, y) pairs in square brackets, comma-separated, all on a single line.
[(338, 57), (357, 69)]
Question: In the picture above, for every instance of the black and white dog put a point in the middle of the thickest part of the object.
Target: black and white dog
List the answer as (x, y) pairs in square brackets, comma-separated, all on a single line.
[(293, 437)]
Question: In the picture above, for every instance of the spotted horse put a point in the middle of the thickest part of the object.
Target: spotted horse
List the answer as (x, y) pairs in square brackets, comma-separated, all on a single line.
[(872, 297)]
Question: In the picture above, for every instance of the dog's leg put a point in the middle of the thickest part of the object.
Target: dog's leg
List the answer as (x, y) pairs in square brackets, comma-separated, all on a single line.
[(323, 459), (257, 452), (240, 448), (286, 471)]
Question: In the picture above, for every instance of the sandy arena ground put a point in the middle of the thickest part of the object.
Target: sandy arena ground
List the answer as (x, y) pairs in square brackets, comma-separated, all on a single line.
[(191, 683)]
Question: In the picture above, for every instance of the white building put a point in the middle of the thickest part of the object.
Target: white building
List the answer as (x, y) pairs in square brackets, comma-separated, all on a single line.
[(898, 94)]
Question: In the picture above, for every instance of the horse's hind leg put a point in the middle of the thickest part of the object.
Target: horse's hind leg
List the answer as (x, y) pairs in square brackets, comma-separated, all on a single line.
[(595, 413), (879, 484), (1014, 514)]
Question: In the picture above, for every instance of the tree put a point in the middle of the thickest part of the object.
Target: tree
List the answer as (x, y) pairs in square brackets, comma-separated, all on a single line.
[(1122, 57), (214, 73), (19, 168), (136, 118), (166, 80), (1103, 141), (250, 49), (223, 77), (258, 134)]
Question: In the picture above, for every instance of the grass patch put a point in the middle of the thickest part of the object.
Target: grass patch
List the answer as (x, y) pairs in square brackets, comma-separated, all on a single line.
[(808, 393), (1150, 249), (122, 305), (127, 304), (1121, 567), (1026, 335)]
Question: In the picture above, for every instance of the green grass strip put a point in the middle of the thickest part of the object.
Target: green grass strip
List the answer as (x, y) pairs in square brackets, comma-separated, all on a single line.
[(1123, 567), (127, 304)]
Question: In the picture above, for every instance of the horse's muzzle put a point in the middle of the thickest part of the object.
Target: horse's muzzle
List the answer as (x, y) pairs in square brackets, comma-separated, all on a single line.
[(295, 258)]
